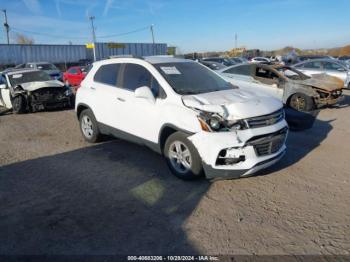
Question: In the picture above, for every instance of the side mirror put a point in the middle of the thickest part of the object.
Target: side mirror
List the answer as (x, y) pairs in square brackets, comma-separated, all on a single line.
[(146, 93), (2, 86), (341, 69)]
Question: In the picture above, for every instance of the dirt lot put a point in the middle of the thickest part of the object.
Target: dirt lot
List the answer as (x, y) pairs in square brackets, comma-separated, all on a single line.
[(59, 195)]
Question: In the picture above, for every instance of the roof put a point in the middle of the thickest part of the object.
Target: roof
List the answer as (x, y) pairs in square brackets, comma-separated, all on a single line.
[(165, 59)]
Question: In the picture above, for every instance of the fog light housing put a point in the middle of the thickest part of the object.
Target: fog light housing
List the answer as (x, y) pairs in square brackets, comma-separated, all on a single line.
[(224, 160)]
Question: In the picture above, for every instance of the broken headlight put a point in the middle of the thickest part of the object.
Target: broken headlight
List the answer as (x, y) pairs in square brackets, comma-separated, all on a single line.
[(213, 123)]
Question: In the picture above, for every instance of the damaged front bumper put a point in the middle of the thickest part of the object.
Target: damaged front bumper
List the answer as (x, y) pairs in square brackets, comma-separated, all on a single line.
[(240, 153)]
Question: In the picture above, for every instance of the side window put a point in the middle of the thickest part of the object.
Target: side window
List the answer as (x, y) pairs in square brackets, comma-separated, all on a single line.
[(2, 80), (332, 66), (264, 73), (73, 71), (239, 70), (136, 76), (107, 74), (313, 65)]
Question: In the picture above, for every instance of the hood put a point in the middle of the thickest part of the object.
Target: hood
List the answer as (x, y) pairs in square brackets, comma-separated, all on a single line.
[(323, 81), (233, 104), (32, 86)]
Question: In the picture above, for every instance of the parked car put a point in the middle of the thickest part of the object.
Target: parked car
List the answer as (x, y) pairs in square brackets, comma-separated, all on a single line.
[(239, 60), (331, 67), (74, 75), (260, 60), (24, 90), (185, 111), (311, 57), (222, 60), (292, 87), (213, 65), (48, 68)]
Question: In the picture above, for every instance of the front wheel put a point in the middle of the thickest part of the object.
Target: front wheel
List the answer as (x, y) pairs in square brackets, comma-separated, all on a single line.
[(182, 157), (89, 127), (18, 104), (301, 102)]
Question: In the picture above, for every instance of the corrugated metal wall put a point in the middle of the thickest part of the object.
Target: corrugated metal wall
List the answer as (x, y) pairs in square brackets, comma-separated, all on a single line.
[(104, 50), (18, 54)]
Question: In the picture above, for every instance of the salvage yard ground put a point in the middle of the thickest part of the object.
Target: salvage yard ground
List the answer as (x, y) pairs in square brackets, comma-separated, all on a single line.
[(60, 195)]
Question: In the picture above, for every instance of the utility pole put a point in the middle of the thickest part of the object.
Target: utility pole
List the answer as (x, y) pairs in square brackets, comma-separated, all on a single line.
[(93, 35), (7, 27), (152, 37), (236, 37)]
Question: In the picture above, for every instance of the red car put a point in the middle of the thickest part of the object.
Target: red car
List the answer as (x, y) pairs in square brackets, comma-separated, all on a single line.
[(74, 75)]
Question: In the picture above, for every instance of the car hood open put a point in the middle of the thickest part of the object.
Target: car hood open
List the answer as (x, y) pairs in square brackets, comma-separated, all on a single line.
[(323, 81), (32, 86), (233, 104)]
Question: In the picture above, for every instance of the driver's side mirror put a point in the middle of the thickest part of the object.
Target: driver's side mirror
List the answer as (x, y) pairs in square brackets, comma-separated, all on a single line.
[(146, 93), (2, 86)]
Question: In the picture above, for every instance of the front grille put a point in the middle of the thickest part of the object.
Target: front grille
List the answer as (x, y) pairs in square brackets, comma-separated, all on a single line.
[(47, 94), (268, 144), (265, 120)]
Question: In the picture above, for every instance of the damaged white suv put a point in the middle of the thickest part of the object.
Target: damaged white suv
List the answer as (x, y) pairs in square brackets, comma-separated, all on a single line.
[(188, 113)]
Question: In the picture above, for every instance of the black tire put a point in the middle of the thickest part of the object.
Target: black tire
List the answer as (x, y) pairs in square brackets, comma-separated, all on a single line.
[(18, 104), (301, 102), (196, 168), (95, 132)]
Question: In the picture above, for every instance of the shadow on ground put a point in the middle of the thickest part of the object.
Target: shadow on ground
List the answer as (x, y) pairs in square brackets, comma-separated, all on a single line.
[(112, 198)]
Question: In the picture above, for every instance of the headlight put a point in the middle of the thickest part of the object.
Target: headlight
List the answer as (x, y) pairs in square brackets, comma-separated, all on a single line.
[(214, 123)]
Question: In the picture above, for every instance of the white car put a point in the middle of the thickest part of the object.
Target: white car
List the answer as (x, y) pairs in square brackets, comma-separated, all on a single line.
[(185, 111), (260, 60), (30, 90)]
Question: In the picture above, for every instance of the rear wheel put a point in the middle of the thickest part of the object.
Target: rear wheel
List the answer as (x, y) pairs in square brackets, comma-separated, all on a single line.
[(18, 104), (301, 102), (89, 127), (182, 157)]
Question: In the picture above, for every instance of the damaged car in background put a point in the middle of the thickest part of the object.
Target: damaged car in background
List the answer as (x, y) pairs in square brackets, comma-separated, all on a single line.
[(28, 90), (199, 122), (292, 87)]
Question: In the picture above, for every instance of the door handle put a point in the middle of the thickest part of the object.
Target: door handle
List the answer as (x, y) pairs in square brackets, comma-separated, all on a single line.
[(93, 88), (121, 99)]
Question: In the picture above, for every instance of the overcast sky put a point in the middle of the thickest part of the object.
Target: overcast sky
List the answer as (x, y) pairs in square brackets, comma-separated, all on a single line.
[(191, 25)]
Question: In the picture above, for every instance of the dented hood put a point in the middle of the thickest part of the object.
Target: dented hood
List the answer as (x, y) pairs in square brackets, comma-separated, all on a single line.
[(233, 104), (32, 86), (323, 81)]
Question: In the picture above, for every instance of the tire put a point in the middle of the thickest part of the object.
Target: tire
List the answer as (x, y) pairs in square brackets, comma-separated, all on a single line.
[(18, 104), (301, 102), (89, 126), (192, 167)]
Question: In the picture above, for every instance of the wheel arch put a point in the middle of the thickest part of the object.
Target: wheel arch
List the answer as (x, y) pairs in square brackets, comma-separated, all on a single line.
[(81, 107), (167, 130)]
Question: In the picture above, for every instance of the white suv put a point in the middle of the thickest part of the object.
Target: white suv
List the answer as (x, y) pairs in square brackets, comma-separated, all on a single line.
[(188, 113)]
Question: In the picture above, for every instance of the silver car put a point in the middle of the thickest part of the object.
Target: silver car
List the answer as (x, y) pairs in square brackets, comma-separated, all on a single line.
[(331, 67)]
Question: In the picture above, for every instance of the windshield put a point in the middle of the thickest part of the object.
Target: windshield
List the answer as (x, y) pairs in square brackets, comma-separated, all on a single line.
[(46, 67), (192, 78), (20, 78), (292, 73)]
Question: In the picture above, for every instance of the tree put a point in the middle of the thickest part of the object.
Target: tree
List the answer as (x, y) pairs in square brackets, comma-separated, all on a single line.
[(23, 40)]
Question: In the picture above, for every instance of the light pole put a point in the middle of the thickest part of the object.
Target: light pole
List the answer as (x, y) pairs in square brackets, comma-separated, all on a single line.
[(7, 27), (93, 35), (152, 37)]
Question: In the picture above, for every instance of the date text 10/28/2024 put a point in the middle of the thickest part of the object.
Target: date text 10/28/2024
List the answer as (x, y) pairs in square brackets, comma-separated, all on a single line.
[(173, 258)]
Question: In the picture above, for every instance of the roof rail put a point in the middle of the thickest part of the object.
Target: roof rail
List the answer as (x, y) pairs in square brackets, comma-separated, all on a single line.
[(125, 56)]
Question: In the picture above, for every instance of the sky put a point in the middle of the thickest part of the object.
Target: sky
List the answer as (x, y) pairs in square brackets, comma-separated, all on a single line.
[(190, 25)]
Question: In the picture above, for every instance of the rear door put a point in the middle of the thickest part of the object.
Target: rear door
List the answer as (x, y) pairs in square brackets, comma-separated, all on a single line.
[(268, 81), (335, 69), (311, 68)]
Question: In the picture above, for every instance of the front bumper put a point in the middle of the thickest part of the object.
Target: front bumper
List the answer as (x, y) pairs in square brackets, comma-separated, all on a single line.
[(237, 145)]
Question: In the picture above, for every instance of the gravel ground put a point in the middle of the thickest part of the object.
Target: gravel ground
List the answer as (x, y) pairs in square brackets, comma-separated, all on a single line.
[(60, 195)]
